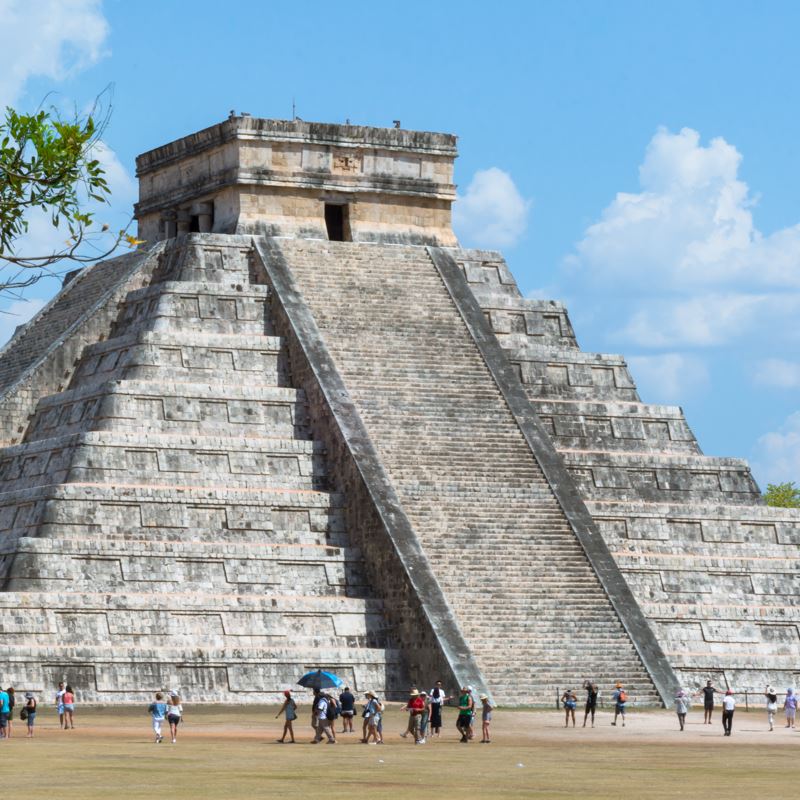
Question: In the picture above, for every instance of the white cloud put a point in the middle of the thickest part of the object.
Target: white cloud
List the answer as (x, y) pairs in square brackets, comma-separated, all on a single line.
[(778, 453), (47, 38), (17, 313), (668, 377), (492, 213), (778, 372), (690, 226)]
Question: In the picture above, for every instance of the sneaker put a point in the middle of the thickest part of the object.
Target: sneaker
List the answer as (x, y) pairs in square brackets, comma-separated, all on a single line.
[(404, 734), (174, 741), (421, 741)]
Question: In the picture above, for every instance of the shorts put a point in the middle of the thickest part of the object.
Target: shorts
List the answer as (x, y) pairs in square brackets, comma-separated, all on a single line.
[(31, 719), (348, 713), (60, 709), (3, 719), (69, 707), (173, 720)]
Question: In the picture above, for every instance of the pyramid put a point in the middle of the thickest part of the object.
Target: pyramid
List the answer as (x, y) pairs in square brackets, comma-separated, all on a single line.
[(302, 427)]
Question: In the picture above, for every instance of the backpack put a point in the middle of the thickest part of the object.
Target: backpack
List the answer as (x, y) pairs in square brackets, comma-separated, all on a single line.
[(622, 697), (330, 712)]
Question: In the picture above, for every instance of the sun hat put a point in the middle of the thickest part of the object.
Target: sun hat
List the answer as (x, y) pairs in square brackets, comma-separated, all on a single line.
[(770, 690), (423, 694), (484, 697), (29, 695), (414, 693), (369, 693)]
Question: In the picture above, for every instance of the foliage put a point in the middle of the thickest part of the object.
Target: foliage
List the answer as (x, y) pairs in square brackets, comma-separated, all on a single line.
[(48, 164), (782, 495)]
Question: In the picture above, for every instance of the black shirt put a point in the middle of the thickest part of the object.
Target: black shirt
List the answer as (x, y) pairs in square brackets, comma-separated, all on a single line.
[(708, 695), (348, 701)]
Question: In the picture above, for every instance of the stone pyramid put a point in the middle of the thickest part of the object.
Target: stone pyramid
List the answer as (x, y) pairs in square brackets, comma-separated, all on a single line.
[(304, 428)]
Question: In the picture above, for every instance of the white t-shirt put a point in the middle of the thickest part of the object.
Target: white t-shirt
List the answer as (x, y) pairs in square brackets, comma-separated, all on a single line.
[(728, 702), (322, 710), (174, 711)]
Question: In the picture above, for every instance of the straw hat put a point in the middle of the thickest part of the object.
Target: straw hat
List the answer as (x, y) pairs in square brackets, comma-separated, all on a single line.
[(369, 694), (484, 697), (413, 693)]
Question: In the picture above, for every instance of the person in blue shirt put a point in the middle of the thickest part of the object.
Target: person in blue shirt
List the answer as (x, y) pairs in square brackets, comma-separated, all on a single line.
[(158, 711), (5, 711)]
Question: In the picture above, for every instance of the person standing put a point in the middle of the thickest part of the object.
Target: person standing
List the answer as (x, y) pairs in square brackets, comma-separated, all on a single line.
[(728, 707), (347, 702), (486, 718), (620, 698), (708, 692), (158, 712), (426, 716), (69, 708), (570, 702), (790, 707), (681, 707), (772, 706), (466, 706), (289, 711), (60, 704), (174, 715), (438, 698), (30, 710), (592, 693), (12, 701), (4, 712)]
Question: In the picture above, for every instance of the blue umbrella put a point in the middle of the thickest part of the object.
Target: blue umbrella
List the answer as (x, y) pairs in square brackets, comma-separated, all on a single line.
[(319, 679)]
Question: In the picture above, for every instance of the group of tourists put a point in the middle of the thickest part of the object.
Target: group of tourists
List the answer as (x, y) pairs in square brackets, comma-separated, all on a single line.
[(425, 712), (65, 705)]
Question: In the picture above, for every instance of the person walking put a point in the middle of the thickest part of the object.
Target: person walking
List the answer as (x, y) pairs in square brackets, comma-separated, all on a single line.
[(681, 707), (620, 698), (347, 702), (772, 706), (372, 717), (728, 707), (4, 712), (570, 702), (708, 692), (466, 706), (174, 715), (426, 716), (592, 693), (12, 701), (289, 711), (324, 714), (158, 713), (415, 706), (30, 712), (60, 704), (438, 698), (790, 707), (69, 708), (486, 718)]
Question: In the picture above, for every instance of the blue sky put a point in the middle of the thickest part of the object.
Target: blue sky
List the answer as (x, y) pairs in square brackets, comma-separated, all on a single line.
[(638, 161)]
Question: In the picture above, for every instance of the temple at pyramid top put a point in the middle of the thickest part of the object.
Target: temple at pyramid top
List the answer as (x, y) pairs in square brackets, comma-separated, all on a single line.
[(305, 179)]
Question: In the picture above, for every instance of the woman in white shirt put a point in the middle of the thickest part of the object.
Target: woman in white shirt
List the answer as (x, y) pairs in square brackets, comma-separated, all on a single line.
[(174, 714)]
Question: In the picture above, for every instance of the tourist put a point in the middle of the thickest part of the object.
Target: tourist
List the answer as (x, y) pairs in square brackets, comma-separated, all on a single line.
[(174, 715), (30, 712), (324, 717), (69, 708), (681, 707), (620, 698), (466, 706), (486, 718), (570, 702), (60, 704), (772, 706), (372, 717), (790, 707), (438, 698), (12, 701), (347, 703), (426, 715), (4, 712), (289, 711), (314, 702), (158, 712), (415, 706), (592, 693), (708, 692), (471, 733), (728, 707)]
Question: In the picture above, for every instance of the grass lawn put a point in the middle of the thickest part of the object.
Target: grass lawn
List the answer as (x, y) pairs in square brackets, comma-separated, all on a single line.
[(231, 753)]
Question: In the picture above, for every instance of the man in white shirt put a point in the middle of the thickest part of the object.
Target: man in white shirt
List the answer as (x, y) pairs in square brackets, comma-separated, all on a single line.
[(323, 723), (728, 707)]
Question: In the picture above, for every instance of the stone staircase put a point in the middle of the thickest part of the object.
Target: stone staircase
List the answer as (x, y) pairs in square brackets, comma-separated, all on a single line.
[(711, 567), (166, 522), (519, 583)]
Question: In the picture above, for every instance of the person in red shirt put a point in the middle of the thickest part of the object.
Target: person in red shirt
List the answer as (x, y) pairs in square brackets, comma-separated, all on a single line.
[(415, 708)]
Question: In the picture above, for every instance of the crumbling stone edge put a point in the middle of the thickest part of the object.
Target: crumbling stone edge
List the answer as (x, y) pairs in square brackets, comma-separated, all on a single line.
[(397, 567), (564, 488)]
